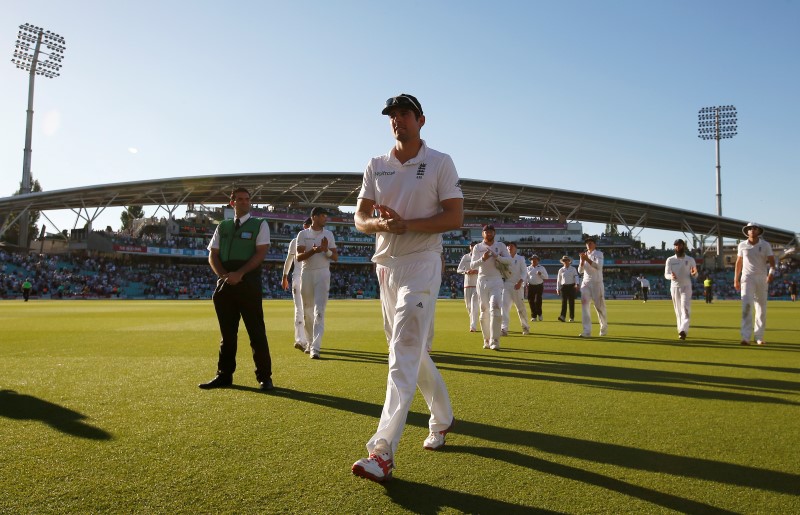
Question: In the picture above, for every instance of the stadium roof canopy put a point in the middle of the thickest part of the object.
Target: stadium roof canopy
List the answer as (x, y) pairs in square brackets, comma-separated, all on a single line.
[(341, 189)]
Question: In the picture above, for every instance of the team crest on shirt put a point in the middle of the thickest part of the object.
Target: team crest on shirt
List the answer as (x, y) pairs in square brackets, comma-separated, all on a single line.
[(421, 171)]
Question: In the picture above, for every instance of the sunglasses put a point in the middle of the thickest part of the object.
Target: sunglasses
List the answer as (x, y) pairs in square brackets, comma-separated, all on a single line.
[(402, 100)]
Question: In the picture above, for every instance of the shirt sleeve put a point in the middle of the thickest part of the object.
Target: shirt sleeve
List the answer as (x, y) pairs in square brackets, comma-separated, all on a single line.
[(214, 243), (290, 256), (368, 183), (263, 234), (449, 183)]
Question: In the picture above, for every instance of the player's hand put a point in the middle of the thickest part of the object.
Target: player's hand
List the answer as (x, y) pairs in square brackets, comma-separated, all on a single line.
[(737, 285), (390, 220), (487, 255), (324, 245), (285, 283)]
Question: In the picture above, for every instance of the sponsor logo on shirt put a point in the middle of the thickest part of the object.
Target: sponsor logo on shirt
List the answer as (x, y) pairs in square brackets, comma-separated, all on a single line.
[(382, 173)]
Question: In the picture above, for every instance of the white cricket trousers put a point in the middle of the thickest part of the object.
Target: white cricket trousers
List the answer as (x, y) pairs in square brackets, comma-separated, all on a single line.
[(754, 298), (473, 306), (314, 286), (593, 292), (299, 322), (490, 292), (682, 302), (517, 298), (409, 288)]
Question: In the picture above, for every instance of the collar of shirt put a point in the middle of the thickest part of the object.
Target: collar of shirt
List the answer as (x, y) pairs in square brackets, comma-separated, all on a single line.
[(423, 150), (243, 218)]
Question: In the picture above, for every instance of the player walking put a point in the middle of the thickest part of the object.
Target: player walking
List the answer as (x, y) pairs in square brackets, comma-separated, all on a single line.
[(514, 291), (492, 261), (753, 278), (300, 341), (417, 195), (680, 269), (470, 291), (316, 248)]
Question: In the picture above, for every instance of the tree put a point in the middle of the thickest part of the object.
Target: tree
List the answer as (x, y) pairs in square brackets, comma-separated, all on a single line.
[(12, 234), (130, 214)]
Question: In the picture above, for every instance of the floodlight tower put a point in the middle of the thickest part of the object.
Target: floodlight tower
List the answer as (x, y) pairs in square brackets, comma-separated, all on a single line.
[(717, 123), (27, 56)]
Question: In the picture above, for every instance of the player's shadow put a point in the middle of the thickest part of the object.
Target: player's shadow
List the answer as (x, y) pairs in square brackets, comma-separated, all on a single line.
[(18, 406), (427, 499), (575, 448), (641, 380), (613, 357)]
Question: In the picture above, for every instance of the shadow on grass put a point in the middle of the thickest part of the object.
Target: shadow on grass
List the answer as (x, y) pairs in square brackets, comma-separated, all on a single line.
[(787, 370), (18, 406), (641, 380), (672, 502), (426, 499), (598, 452)]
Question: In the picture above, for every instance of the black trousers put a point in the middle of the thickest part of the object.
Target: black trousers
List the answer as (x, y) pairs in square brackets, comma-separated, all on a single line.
[(709, 295), (568, 293), (644, 293), (26, 293), (535, 292), (231, 303)]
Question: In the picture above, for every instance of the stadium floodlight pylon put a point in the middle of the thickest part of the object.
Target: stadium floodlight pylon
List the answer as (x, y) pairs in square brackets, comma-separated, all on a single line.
[(717, 123), (28, 56)]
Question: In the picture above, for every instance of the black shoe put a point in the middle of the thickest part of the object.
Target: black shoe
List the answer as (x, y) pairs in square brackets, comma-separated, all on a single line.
[(561, 319), (217, 382), (265, 386), (682, 335)]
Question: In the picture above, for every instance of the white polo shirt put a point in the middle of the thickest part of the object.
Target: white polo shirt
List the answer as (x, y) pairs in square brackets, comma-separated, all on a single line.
[(414, 189), (308, 238), (754, 258), (593, 272), (682, 268)]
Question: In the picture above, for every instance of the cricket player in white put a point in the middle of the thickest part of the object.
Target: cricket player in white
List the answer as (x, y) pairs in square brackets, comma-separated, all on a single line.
[(535, 275), (592, 288), (490, 257), (316, 248), (514, 291), (470, 291), (680, 269), (416, 193), (300, 341), (752, 277)]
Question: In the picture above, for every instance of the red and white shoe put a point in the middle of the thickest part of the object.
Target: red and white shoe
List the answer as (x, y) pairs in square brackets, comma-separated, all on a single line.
[(378, 466), (438, 439)]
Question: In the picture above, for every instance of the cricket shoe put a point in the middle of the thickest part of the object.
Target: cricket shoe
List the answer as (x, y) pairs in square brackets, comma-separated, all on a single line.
[(526, 332), (486, 344), (562, 319), (503, 332), (314, 354), (760, 342), (378, 466), (436, 440), (300, 346), (495, 345), (682, 335), (540, 318)]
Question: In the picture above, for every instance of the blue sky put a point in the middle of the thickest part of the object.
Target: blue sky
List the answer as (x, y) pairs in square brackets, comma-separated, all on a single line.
[(598, 97)]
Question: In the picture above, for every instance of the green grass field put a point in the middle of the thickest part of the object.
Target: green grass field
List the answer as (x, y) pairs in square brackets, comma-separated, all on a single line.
[(100, 413)]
